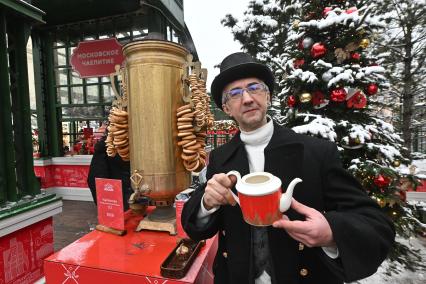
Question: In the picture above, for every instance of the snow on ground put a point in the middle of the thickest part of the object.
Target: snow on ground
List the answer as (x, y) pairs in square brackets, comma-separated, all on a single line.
[(404, 276)]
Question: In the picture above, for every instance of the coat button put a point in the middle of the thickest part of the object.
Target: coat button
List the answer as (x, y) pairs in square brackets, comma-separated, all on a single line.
[(303, 272), (301, 246), (223, 232), (225, 254)]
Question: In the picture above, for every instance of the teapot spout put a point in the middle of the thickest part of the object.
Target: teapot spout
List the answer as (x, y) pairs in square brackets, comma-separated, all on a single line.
[(285, 200)]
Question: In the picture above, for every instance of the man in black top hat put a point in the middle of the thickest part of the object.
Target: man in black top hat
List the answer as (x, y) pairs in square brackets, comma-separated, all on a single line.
[(333, 232)]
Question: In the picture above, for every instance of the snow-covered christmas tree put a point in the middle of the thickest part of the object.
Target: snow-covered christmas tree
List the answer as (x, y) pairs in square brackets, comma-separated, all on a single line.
[(328, 88)]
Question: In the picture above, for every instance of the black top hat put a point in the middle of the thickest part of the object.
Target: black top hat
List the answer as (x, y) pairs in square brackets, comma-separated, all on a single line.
[(237, 66)]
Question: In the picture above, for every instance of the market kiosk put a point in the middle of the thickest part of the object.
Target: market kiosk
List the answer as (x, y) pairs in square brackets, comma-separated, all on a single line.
[(55, 113), (159, 122)]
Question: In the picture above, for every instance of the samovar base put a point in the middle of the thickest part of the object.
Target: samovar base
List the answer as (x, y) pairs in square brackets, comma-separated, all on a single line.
[(160, 219)]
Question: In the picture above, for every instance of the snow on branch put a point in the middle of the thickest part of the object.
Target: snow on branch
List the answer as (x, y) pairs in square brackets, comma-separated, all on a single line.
[(337, 16), (320, 126), (389, 151), (305, 76)]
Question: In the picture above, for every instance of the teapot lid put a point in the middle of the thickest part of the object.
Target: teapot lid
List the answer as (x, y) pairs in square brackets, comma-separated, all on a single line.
[(258, 184)]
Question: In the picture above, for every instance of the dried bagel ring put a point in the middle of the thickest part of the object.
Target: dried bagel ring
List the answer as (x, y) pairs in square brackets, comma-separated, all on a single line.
[(189, 157), (122, 126), (182, 119), (186, 133), (121, 142), (121, 136), (193, 147), (184, 107), (195, 167), (189, 164), (120, 132), (189, 152), (182, 112), (189, 137), (187, 143), (186, 126), (118, 112), (183, 142), (188, 115)]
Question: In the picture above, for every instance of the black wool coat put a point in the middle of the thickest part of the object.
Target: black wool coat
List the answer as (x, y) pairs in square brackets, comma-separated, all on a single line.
[(103, 166), (363, 234)]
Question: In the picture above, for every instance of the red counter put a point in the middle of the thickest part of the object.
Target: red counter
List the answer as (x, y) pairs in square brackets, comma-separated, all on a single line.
[(100, 257)]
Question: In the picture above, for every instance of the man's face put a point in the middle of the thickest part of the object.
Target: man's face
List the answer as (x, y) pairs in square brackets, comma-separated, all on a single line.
[(249, 110)]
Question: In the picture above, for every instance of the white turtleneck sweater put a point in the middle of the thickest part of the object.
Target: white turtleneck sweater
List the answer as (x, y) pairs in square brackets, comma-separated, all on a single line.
[(255, 143)]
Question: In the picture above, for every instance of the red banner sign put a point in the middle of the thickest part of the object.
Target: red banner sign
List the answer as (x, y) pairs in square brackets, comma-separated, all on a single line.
[(96, 58), (110, 203)]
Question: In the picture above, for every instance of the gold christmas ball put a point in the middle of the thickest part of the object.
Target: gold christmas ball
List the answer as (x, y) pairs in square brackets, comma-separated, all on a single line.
[(305, 97), (357, 140), (396, 163), (364, 43), (296, 24)]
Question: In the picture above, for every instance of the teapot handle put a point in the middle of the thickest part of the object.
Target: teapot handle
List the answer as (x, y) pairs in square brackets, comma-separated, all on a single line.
[(238, 176)]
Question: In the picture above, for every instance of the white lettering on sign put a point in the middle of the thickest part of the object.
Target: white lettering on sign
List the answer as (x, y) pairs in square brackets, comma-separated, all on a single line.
[(108, 201), (95, 54), (98, 61)]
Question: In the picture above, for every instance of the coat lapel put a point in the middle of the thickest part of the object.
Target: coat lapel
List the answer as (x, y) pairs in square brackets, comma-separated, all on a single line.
[(234, 157)]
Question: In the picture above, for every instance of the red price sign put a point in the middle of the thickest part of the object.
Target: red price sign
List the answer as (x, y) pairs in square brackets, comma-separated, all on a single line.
[(110, 203)]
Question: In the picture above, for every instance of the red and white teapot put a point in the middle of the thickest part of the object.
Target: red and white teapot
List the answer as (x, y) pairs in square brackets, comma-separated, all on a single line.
[(260, 197)]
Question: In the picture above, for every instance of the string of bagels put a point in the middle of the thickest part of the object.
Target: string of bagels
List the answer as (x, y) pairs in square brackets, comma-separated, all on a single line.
[(117, 140), (193, 119)]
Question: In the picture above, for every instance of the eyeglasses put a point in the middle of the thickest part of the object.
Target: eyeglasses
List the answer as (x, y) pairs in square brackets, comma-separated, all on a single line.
[(253, 89)]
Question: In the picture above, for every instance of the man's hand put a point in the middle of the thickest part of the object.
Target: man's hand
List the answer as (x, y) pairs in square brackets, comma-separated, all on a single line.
[(218, 191), (313, 232)]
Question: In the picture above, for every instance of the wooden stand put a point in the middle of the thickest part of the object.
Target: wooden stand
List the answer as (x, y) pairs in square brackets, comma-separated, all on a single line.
[(110, 230), (167, 226), (161, 219)]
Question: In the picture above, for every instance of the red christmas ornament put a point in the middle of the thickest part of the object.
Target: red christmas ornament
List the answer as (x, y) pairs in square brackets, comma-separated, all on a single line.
[(326, 11), (356, 56), (318, 98), (318, 50), (358, 101), (298, 62), (351, 10), (338, 95), (291, 101), (381, 181), (372, 89)]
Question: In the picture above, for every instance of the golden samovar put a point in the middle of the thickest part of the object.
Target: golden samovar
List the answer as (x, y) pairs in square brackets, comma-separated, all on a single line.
[(155, 88)]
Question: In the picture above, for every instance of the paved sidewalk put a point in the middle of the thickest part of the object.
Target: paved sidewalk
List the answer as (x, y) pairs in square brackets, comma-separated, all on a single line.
[(77, 219)]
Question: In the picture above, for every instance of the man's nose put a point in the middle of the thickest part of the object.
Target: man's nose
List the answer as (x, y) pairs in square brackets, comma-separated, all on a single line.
[(246, 98)]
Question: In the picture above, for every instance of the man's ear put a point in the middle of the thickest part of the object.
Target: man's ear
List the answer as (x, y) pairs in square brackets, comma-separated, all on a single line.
[(226, 110)]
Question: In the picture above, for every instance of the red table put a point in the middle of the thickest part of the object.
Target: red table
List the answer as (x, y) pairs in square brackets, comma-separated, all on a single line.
[(100, 257)]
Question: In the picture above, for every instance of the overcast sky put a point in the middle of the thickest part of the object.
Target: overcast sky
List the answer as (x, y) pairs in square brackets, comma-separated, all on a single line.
[(212, 40)]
